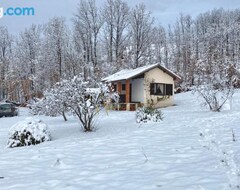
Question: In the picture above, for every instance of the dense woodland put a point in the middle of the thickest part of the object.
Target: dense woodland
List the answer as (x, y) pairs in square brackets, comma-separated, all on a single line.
[(102, 40)]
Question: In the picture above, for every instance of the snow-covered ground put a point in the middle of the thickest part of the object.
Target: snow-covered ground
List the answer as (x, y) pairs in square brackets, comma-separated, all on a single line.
[(123, 155)]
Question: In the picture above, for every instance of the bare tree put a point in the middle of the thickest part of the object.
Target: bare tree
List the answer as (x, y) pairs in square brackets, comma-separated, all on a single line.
[(141, 24), (161, 47), (54, 47), (5, 58), (87, 25), (72, 59), (27, 58), (116, 17)]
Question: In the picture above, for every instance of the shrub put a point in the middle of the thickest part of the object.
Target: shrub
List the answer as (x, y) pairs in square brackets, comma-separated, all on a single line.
[(78, 96), (28, 132), (217, 87), (148, 114)]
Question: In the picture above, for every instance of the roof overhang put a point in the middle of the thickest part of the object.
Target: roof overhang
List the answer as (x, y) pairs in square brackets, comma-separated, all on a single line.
[(120, 77)]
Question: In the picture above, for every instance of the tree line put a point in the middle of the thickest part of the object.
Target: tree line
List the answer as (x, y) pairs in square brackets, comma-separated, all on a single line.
[(103, 39)]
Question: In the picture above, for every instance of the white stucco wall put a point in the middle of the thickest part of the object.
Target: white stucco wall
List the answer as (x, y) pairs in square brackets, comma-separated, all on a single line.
[(138, 90), (157, 76)]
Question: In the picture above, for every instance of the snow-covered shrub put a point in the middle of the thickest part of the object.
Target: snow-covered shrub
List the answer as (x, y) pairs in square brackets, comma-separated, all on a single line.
[(77, 96), (148, 114), (28, 132), (216, 87), (215, 96), (50, 104)]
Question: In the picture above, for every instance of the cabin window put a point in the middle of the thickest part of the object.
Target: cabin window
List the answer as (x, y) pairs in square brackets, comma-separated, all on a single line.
[(123, 87), (161, 89)]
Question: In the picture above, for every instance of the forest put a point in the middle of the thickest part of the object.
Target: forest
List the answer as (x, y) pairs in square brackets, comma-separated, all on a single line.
[(103, 40)]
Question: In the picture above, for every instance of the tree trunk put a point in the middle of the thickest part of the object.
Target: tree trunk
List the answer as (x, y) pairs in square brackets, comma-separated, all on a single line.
[(64, 116)]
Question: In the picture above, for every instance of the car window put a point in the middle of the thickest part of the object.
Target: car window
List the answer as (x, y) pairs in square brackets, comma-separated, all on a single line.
[(5, 106)]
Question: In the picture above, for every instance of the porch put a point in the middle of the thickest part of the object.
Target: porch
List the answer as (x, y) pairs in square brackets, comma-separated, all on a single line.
[(131, 94), (125, 106)]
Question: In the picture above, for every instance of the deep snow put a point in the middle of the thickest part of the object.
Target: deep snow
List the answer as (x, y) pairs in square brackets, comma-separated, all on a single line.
[(123, 155)]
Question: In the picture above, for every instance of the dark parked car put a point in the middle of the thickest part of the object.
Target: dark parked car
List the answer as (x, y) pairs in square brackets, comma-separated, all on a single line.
[(12, 102), (8, 109)]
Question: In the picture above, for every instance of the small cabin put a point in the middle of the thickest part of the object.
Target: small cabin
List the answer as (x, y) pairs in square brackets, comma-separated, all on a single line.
[(151, 85)]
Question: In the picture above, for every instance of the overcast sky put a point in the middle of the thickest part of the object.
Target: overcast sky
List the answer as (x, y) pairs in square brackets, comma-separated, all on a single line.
[(165, 11)]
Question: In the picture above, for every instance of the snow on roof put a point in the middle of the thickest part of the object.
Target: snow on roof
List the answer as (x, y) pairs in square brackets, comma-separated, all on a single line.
[(130, 73)]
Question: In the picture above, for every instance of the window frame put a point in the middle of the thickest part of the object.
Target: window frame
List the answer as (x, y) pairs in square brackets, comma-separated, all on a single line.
[(165, 90)]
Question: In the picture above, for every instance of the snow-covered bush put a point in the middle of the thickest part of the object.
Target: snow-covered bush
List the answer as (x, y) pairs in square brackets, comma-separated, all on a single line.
[(85, 102), (28, 132), (77, 96), (215, 96), (50, 104), (217, 87), (148, 114)]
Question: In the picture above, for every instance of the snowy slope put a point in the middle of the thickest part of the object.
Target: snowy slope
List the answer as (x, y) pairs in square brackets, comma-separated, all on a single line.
[(123, 155)]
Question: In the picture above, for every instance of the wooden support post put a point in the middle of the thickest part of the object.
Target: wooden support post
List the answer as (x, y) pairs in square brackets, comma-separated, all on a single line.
[(127, 91), (119, 87), (127, 106)]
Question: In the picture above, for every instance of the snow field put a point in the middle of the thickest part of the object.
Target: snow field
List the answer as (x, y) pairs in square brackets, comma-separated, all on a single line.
[(122, 154)]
